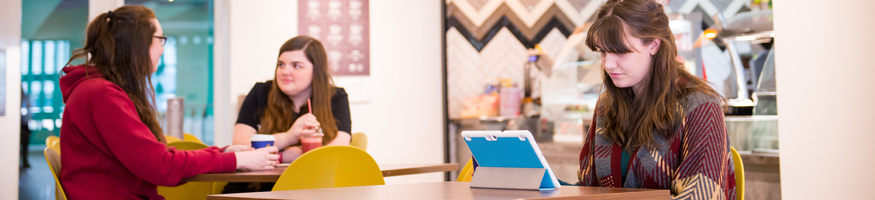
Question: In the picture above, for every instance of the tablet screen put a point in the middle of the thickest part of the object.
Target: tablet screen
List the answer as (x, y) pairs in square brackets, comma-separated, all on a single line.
[(509, 149)]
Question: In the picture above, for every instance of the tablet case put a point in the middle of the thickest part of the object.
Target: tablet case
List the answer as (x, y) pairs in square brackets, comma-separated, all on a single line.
[(509, 160)]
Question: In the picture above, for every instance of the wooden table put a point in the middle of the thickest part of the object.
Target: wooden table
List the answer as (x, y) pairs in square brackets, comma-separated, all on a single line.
[(273, 175), (448, 190)]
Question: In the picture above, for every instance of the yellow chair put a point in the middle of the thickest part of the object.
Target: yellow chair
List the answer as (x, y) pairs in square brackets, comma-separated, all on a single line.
[(331, 166), (170, 139), (51, 138), (190, 137), (54, 142), (467, 172), (359, 140), (190, 190), (187, 145), (54, 161), (218, 187), (739, 174)]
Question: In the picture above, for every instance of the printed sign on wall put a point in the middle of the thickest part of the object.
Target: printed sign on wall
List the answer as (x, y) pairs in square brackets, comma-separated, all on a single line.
[(342, 26)]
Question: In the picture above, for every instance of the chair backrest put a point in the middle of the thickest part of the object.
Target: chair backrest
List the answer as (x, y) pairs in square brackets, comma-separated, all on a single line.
[(467, 172), (54, 142), (331, 166), (187, 145), (54, 160), (190, 137), (359, 140), (739, 174), (170, 139), (51, 139), (190, 190)]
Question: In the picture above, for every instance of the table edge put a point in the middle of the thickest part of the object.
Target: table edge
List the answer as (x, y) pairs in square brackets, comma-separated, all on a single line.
[(442, 167)]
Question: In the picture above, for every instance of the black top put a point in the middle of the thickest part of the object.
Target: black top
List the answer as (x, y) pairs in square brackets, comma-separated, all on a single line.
[(253, 107)]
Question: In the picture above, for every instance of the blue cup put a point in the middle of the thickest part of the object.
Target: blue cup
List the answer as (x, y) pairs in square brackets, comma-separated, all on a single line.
[(262, 140)]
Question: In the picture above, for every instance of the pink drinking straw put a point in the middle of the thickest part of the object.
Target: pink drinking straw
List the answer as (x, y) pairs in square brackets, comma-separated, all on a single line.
[(310, 107)]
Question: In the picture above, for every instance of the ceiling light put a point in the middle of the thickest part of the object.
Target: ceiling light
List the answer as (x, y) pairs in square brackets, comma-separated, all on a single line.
[(710, 33)]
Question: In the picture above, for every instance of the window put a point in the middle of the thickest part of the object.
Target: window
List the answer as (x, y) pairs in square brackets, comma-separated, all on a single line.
[(186, 68)]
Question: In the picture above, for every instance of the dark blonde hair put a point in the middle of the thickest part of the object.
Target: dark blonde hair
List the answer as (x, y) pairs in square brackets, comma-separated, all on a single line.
[(630, 119), (277, 116), (117, 45)]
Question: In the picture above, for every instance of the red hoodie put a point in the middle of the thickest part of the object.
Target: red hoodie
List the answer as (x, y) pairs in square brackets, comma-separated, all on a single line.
[(108, 153)]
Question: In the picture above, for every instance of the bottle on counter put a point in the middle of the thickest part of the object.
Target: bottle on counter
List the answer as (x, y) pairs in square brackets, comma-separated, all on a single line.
[(511, 99)]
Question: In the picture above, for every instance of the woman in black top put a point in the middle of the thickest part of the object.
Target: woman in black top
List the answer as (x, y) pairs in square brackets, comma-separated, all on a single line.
[(278, 107)]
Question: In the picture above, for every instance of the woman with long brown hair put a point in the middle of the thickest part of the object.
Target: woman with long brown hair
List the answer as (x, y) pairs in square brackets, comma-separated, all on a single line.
[(110, 138), (279, 107), (656, 125)]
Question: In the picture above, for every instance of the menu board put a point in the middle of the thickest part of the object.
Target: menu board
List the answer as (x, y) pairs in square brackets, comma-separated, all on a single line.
[(342, 26), (2, 82)]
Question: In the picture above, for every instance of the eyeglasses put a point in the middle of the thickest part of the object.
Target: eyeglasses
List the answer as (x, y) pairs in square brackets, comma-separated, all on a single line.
[(163, 39)]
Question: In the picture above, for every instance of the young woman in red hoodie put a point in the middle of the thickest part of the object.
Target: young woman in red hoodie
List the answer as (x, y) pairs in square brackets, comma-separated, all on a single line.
[(112, 146)]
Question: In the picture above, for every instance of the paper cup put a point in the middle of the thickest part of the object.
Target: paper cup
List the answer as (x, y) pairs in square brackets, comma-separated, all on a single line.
[(262, 140)]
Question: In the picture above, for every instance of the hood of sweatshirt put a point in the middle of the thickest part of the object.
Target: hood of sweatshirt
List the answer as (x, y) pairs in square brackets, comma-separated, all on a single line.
[(75, 75)]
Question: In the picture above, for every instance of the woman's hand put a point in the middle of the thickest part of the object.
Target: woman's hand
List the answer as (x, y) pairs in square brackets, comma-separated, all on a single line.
[(303, 124), (259, 159), (238, 148)]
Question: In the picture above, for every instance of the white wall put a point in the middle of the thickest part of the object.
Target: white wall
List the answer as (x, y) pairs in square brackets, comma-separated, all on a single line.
[(10, 39), (97, 7), (825, 86), (403, 116), (246, 52)]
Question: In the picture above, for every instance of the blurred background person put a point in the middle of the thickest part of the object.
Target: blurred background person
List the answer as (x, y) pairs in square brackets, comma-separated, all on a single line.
[(25, 129)]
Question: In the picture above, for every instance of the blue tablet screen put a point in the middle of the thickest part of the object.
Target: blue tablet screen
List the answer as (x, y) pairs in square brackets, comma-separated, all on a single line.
[(507, 152)]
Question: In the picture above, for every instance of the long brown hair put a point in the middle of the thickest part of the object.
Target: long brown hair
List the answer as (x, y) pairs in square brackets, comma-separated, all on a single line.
[(277, 116), (630, 119), (118, 45)]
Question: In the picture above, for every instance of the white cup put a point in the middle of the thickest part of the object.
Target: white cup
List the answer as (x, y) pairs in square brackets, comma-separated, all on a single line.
[(262, 140)]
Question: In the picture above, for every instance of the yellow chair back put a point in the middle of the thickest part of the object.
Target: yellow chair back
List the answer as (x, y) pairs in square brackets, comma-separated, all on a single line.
[(359, 140), (190, 190), (218, 187), (170, 139), (331, 166), (53, 158), (467, 172), (190, 137), (739, 174), (187, 145), (54, 142)]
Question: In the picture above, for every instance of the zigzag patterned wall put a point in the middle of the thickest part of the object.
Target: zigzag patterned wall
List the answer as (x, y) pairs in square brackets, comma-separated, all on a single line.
[(487, 39)]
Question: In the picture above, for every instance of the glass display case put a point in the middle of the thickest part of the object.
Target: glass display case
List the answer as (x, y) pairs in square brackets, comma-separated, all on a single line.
[(745, 43), (735, 55)]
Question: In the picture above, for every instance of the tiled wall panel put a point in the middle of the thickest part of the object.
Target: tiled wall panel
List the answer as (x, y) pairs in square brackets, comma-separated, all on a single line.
[(487, 39)]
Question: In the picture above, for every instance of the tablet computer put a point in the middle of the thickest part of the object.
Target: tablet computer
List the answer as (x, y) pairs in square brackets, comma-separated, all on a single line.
[(509, 149)]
